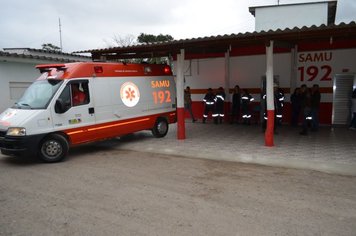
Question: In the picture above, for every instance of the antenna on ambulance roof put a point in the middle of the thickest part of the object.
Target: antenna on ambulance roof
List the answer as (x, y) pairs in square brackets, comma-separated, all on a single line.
[(60, 34)]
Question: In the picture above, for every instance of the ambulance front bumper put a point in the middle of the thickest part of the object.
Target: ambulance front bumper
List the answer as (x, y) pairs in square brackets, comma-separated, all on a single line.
[(19, 146)]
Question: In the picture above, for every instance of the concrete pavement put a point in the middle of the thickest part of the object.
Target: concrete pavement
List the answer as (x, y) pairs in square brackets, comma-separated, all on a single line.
[(330, 150)]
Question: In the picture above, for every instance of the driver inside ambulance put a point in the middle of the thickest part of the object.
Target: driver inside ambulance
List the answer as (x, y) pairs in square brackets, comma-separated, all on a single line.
[(78, 96)]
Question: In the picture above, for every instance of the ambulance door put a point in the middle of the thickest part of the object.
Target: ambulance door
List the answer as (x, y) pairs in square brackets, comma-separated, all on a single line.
[(74, 109)]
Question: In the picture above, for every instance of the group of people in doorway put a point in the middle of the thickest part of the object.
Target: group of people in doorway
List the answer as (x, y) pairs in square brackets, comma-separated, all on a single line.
[(278, 107), (305, 102), (305, 105), (214, 105), (241, 109)]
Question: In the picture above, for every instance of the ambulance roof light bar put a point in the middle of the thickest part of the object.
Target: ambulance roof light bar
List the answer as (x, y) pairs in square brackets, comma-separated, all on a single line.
[(49, 67)]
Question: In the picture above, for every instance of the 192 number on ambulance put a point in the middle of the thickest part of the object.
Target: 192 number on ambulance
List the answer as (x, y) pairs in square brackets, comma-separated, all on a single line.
[(161, 96)]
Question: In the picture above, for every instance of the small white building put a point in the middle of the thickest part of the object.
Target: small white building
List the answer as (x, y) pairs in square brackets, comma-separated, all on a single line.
[(282, 16), (17, 70)]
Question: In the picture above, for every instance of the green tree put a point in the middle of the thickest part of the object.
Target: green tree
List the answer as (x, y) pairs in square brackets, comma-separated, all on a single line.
[(143, 38), (150, 38), (50, 47)]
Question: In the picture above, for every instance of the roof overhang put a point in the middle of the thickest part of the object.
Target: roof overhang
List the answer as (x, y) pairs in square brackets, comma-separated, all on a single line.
[(221, 44)]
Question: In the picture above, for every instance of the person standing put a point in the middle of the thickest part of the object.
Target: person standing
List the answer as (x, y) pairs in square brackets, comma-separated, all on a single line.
[(353, 110), (220, 99), (278, 99), (295, 100), (209, 101), (246, 99), (306, 108), (188, 102), (315, 104), (279, 103), (236, 104)]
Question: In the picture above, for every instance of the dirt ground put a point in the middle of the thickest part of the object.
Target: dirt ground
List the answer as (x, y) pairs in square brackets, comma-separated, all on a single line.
[(102, 191)]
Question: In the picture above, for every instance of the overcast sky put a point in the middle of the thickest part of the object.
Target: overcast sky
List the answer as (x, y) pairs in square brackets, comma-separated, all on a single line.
[(93, 24)]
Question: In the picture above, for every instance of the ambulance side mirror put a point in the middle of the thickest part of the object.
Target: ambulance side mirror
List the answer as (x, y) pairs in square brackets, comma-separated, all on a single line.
[(60, 106)]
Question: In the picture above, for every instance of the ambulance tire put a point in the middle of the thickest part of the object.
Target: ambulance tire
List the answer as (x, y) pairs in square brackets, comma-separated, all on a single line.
[(160, 128), (53, 148)]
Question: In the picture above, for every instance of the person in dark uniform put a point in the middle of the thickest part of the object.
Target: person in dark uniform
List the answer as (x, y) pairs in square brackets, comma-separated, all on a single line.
[(306, 108), (219, 109), (278, 98), (236, 104), (295, 101), (279, 104), (246, 99), (209, 101), (188, 102), (315, 104)]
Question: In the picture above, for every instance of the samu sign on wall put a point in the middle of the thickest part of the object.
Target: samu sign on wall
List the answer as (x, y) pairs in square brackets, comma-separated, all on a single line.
[(316, 66)]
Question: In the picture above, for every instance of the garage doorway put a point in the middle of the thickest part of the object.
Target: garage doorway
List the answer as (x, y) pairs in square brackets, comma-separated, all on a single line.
[(343, 86)]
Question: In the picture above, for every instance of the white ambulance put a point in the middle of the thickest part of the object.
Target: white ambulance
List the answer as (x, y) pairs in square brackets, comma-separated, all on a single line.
[(75, 103)]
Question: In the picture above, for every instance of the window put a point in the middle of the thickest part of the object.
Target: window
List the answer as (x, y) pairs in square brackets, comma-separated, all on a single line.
[(80, 93), (38, 95), (76, 93)]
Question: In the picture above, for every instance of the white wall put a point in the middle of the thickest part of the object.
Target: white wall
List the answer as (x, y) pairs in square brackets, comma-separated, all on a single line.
[(205, 71), (313, 67), (345, 11), (290, 16), (14, 72)]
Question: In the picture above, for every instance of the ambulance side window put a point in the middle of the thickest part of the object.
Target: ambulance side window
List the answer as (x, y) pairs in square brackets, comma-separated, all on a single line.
[(75, 93), (79, 93)]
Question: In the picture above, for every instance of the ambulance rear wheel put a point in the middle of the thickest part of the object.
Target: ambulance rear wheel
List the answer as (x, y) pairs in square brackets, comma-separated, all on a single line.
[(161, 128), (53, 148)]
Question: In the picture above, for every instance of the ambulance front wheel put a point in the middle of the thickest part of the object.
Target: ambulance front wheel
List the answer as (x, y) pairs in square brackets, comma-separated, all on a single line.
[(161, 128), (53, 148)]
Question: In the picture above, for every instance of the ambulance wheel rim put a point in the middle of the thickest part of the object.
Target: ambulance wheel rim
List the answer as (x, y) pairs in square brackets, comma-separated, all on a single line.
[(162, 127), (52, 149)]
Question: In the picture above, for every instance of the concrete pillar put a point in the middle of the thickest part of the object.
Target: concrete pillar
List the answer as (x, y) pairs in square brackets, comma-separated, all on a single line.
[(227, 86), (227, 76), (294, 69), (270, 96), (180, 96)]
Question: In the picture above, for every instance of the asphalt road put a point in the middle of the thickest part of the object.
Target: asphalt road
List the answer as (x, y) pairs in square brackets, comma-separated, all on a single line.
[(100, 190)]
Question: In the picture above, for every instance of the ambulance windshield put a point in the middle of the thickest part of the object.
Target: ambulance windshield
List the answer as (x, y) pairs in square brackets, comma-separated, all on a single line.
[(39, 94)]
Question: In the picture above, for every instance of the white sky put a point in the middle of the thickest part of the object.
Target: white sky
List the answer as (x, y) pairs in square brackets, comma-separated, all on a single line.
[(92, 24)]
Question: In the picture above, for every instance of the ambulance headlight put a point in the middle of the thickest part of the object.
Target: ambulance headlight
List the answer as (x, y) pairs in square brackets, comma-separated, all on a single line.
[(16, 131)]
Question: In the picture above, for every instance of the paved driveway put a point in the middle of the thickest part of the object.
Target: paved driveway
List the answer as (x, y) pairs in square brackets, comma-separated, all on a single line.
[(102, 190)]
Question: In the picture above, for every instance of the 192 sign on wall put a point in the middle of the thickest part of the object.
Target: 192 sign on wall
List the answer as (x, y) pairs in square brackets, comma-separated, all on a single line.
[(315, 66)]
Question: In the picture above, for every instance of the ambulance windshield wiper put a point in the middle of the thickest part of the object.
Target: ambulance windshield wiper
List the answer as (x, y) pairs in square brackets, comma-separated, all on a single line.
[(23, 104)]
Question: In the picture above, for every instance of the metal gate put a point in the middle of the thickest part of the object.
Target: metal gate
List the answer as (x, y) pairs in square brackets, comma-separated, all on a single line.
[(342, 89)]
